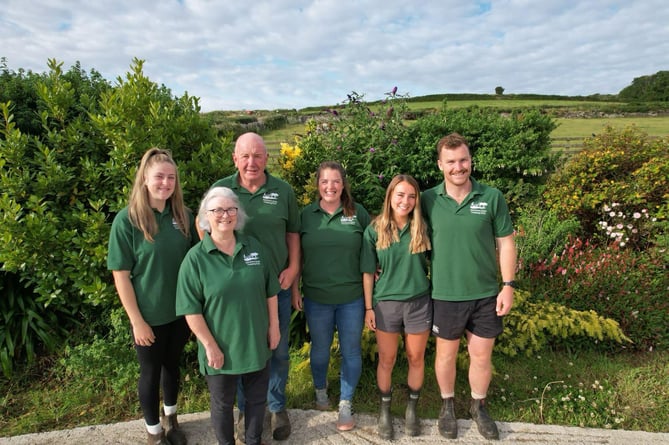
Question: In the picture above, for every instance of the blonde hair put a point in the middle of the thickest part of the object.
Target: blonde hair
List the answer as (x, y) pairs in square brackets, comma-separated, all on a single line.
[(387, 229), (139, 208)]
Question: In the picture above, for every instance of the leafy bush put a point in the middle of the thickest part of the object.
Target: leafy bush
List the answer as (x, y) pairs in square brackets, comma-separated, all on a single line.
[(617, 166), (61, 188), (373, 143), (531, 326), (540, 234)]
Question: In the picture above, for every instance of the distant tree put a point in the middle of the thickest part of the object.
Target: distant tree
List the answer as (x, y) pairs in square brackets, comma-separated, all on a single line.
[(653, 88), (499, 91)]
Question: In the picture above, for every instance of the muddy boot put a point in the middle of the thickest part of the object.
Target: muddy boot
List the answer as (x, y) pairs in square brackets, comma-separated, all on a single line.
[(157, 439), (411, 422), (172, 432), (385, 419), (447, 423), (484, 422)]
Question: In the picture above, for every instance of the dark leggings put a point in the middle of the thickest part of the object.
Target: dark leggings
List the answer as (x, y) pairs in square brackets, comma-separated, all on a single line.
[(159, 367)]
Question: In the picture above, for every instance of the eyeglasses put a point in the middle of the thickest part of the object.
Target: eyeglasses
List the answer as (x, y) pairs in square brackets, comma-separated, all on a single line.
[(231, 211)]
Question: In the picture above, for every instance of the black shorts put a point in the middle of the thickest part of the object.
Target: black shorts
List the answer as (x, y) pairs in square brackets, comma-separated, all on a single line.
[(452, 318)]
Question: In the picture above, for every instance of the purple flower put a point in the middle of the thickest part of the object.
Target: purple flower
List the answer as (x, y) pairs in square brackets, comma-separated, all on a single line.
[(393, 91), (372, 149), (380, 176), (334, 112)]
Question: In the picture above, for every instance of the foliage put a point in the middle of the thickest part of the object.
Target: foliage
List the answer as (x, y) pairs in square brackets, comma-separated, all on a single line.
[(532, 326), (540, 234), (363, 138), (650, 88), (94, 361), (622, 166), (62, 186), (622, 284), (374, 144)]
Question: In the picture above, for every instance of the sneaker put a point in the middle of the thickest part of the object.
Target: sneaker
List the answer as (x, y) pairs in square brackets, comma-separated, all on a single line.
[(322, 401), (280, 424), (345, 421)]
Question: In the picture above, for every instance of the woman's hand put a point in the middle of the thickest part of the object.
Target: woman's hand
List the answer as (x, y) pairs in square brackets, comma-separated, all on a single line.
[(370, 320), (215, 357)]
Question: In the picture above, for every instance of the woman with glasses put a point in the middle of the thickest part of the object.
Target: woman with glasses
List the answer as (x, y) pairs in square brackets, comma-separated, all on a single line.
[(148, 240), (227, 290)]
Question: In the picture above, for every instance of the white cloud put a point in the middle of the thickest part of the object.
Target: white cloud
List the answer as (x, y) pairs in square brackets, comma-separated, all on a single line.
[(298, 53)]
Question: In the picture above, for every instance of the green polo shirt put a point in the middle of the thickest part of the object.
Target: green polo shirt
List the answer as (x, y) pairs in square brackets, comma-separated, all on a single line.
[(464, 250), (153, 265), (403, 274), (331, 254), (231, 293), (272, 212)]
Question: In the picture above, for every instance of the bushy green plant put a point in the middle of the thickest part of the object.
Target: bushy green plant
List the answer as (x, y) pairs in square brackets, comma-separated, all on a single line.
[(60, 189), (540, 234), (374, 143), (363, 137), (622, 284), (532, 325), (617, 166)]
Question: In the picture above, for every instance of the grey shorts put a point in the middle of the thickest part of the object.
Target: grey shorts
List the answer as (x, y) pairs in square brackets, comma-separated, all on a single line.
[(452, 318), (413, 316)]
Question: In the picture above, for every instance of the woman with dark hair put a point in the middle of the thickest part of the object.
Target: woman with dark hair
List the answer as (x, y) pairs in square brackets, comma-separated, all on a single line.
[(148, 240), (331, 238)]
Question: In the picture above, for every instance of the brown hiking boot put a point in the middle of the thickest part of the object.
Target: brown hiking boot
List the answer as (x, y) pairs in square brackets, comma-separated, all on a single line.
[(280, 425), (172, 432), (484, 422), (157, 439)]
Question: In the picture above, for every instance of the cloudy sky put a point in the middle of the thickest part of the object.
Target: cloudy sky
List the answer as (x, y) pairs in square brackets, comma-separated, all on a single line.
[(267, 54)]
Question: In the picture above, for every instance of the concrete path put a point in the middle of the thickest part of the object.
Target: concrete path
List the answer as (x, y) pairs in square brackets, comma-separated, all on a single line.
[(317, 427)]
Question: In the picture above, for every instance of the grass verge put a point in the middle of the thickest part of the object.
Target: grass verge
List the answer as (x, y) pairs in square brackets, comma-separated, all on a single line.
[(589, 389)]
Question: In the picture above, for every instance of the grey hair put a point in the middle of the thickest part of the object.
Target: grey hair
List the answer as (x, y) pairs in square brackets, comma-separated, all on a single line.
[(219, 192)]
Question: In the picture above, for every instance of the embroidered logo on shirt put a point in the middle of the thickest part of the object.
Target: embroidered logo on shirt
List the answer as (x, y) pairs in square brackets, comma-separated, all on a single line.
[(271, 198), (348, 220), (252, 259), (175, 224), (478, 208)]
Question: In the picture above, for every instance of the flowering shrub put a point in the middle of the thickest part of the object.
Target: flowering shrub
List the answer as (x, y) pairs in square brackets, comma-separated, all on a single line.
[(623, 284), (636, 230), (622, 166)]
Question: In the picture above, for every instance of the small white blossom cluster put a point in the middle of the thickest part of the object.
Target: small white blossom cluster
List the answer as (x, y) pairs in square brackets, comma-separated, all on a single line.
[(621, 227)]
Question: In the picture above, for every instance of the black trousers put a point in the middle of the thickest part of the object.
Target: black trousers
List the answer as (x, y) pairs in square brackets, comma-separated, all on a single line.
[(222, 392), (159, 367)]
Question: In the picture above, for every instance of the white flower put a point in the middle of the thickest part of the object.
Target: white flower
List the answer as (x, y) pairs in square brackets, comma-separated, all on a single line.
[(612, 214), (636, 215)]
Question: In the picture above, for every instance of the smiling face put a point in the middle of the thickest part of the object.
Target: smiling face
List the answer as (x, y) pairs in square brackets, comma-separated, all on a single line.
[(250, 158), (224, 223), (160, 180), (456, 164), (330, 186), (403, 201)]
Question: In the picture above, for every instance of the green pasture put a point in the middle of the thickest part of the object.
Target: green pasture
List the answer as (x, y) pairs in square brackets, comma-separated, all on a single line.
[(584, 127)]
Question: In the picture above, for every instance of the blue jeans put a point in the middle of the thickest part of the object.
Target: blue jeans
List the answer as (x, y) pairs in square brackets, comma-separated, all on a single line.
[(322, 320), (278, 366)]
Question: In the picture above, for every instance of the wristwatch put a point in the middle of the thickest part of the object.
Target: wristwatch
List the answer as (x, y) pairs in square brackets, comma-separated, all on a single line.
[(510, 283)]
